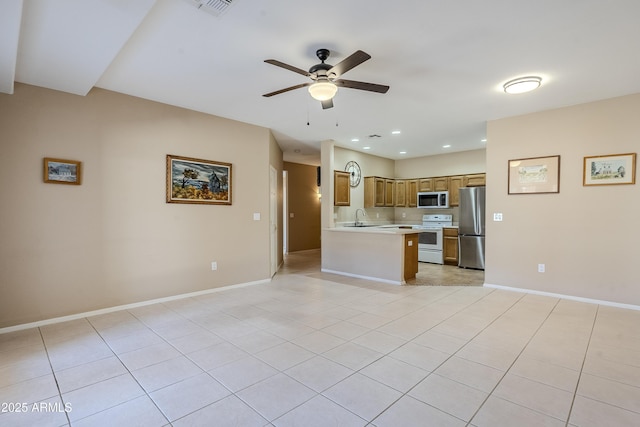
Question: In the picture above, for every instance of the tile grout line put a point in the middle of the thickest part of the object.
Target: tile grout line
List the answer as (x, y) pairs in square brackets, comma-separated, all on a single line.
[(128, 371), (55, 377), (383, 355), (584, 360), (450, 356), (181, 353), (490, 393)]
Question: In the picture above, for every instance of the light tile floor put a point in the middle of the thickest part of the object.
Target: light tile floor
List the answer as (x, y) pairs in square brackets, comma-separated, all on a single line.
[(311, 349)]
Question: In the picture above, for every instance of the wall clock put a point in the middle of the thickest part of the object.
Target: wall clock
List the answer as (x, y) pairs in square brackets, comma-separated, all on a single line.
[(354, 173)]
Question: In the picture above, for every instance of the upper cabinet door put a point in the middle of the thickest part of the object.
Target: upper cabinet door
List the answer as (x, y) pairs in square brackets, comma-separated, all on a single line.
[(341, 188)]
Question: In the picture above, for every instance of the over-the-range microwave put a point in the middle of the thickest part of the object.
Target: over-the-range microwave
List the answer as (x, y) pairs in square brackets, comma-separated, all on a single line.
[(433, 199)]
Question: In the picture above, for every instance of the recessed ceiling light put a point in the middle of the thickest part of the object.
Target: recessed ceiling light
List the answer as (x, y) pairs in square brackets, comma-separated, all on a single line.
[(522, 84), (483, 140), (395, 132), (355, 140), (366, 148), (403, 152), (446, 146)]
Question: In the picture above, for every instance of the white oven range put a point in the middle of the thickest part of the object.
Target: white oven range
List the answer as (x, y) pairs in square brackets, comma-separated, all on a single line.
[(430, 237)]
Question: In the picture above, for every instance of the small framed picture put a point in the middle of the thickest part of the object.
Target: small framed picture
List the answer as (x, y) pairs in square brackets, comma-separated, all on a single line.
[(60, 171), (534, 175), (198, 181), (611, 169)]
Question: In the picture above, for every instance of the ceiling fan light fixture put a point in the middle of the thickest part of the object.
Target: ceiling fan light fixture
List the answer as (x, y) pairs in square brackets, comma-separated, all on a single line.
[(522, 84), (323, 91)]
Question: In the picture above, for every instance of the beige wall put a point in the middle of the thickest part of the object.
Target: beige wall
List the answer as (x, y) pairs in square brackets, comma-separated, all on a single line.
[(587, 236), (113, 240), (459, 163), (275, 161), (304, 204)]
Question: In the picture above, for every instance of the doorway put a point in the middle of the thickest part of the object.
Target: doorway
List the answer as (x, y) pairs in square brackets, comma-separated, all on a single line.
[(273, 218)]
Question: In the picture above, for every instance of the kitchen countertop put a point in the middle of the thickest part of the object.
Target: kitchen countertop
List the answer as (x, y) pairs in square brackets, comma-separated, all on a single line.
[(378, 229)]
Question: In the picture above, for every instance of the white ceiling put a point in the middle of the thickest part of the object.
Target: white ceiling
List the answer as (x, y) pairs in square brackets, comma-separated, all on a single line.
[(444, 60)]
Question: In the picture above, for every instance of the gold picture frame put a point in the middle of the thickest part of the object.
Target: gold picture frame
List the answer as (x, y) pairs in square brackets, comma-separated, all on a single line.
[(198, 181), (534, 175), (61, 171), (610, 169)]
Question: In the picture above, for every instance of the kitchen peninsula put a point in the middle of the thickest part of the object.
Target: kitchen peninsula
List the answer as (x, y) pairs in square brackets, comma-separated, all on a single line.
[(386, 254)]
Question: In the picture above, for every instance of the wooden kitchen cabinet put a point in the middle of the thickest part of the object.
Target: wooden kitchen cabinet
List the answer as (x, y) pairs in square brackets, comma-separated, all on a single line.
[(475, 180), (425, 184), (341, 188), (441, 183), (450, 246), (410, 256), (400, 193), (412, 193), (374, 191), (389, 192), (455, 183)]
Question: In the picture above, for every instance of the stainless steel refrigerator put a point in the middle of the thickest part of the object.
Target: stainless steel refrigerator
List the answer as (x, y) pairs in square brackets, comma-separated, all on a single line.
[(471, 227)]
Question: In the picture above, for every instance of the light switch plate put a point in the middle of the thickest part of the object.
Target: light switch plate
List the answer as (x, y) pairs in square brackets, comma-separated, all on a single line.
[(256, 216)]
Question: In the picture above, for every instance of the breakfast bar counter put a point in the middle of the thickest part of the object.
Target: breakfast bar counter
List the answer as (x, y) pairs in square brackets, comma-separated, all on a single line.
[(386, 254)]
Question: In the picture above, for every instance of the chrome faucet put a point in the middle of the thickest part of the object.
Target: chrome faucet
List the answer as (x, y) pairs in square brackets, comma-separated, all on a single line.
[(363, 214)]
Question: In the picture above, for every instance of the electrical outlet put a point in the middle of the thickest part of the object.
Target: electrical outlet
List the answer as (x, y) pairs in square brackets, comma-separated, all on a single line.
[(541, 268), (497, 216), (404, 214), (214, 266)]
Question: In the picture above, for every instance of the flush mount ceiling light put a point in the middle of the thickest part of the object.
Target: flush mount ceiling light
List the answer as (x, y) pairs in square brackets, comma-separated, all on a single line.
[(522, 84), (323, 90)]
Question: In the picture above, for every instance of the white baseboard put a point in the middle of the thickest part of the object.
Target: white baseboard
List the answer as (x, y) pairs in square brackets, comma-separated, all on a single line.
[(562, 296), (358, 276), (125, 307)]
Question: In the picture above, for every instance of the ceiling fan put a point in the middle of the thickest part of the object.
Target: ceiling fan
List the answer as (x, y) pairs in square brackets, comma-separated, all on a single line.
[(326, 78)]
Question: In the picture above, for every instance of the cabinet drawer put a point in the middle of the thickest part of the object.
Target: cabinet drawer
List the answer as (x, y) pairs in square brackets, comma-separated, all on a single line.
[(450, 232)]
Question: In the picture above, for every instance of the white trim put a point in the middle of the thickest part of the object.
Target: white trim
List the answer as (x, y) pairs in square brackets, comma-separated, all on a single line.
[(125, 307), (374, 279), (569, 297)]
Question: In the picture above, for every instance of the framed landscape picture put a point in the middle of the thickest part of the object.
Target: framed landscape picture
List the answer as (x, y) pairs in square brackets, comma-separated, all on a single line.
[(60, 171), (534, 175), (611, 169), (198, 181)]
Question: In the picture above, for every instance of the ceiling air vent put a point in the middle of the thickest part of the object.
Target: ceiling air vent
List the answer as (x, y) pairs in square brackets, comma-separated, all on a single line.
[(214, 7)]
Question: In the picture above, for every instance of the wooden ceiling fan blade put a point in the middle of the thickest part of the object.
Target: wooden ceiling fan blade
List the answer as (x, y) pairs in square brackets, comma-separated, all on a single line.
[(371, 87), (348, 63), (327, 104), (287, 67), (278, 92)]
